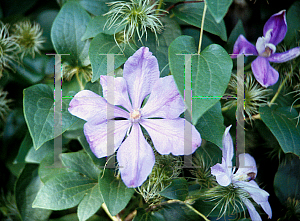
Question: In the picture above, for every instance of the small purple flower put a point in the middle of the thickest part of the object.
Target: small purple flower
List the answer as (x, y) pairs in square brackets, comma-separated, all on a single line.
[(274, 32), (159, 117), (243, 178)]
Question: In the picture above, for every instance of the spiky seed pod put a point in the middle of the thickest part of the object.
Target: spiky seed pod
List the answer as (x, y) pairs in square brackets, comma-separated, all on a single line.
[(136, 16), (165, 169), (9, 48), (29, 37), (68, 72), (4, 108), (255, 95)]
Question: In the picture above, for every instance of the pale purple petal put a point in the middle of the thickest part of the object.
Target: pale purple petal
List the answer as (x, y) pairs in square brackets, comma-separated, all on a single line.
[(136, 158), (263, 72), (247, 166), (259, 195), (164, 101), (96, 135), (120, 91), (221, 173), (276, 23), (88, 105), (168, 136), (242, 46), (141, 73), (285, 56), (227, 151), (251, 209)]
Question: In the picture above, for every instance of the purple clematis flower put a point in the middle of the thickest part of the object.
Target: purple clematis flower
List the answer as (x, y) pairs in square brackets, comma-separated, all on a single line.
[(274, 32), (242, 178), (159, 117)]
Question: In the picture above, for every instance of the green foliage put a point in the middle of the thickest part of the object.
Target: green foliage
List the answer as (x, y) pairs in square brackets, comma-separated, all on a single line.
[(283, 124), (218, 9), (177, 190), (67, 30), (114, 192), (192, 14), (39, 114), (292, 37), (209, 79)]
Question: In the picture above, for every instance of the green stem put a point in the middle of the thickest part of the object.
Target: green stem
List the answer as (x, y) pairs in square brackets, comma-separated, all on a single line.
[(113, 218), (226, 108), (248, 66), (159, 6), (296, 106), (196, 211), (79, 80), (280, 87), (202, 25)]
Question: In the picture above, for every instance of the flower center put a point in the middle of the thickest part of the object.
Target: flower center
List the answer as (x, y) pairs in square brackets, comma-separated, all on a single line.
[(267, 52), (135, 116)]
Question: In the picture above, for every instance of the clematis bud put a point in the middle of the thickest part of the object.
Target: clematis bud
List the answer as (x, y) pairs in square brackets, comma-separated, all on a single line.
[(29, 37), (8, 48), (136, 16)]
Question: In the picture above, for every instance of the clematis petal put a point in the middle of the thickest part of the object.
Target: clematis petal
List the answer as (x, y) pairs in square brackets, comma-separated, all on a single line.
[(120, 91), (227, 151), (251, 209), (259, 195), (168, 135), (88, 105), (96, 135), (248, 167), (285, 56), (136, 158), (221, 173), (276, 23), (141, 73), (164, 101), (242, 46), (264, 73)]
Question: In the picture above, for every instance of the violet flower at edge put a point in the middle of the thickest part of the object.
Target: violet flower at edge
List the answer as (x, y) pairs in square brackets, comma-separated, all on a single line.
[(274, 32), (242, 178), (159, 117)]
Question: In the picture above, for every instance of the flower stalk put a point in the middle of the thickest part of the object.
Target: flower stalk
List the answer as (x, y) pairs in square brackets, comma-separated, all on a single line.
[(202, 25)]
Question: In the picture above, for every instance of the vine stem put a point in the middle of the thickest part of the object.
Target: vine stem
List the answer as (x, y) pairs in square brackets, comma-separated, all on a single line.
[(280, 88), (181, 202), (202, 25), (296, 106), (79, 80), (114, 218), (159, 6)]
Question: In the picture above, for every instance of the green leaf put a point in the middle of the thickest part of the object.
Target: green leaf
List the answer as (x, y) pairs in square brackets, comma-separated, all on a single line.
[(26, 190), (67, 189), (192, 14), (160, 51), (114, 192), (67, 31), (38, 106), (177, 190), (90, 204), (287, 180), (293, 22), (172, 211), (283, 124), (235, 33), (104, 44), (95, 7), (211, 125), (218, 8), (96, 26), (211, 71)]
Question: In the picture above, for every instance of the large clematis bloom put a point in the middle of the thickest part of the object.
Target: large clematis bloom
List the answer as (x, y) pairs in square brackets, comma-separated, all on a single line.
[(242, 178), (159, 117), (274, 32)]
